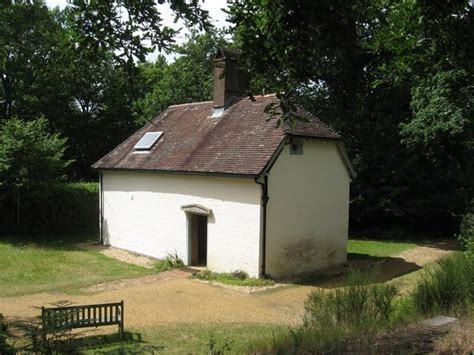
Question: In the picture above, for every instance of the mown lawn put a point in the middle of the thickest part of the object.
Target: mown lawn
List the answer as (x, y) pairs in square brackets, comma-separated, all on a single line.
[(378, 248), (31, 267)]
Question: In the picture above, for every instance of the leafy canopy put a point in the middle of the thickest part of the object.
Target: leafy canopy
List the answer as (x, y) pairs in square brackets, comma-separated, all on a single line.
[(30, 156)]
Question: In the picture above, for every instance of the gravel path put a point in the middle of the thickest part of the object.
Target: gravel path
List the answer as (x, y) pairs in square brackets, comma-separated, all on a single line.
[(172, 297), (120, 254), (177, 300)]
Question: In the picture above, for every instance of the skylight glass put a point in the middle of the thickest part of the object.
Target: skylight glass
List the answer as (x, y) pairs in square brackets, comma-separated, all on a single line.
[(147, 141)]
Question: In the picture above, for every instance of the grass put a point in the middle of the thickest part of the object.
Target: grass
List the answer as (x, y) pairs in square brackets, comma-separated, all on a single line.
[(181, 339), (57, 265), (379, 248), (237, 278), (447, 287)]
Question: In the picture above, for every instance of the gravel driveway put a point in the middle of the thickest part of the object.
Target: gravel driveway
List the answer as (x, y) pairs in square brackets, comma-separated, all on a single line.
[(172, 297)]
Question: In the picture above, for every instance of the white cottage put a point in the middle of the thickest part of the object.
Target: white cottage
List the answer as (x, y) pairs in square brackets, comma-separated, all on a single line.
[(221, 185)]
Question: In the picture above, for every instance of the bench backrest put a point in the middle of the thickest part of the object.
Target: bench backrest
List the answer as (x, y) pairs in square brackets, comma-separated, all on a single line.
[(92, 315)]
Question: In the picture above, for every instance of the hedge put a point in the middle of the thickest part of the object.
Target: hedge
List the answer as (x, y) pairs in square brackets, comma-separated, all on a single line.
[(70, 208)]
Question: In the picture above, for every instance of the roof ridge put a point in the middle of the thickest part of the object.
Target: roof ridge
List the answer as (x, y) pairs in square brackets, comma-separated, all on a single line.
[(322, 123), (190, 103)]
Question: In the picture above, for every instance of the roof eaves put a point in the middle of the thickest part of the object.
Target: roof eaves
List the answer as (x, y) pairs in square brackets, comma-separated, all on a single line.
[(181, 172)]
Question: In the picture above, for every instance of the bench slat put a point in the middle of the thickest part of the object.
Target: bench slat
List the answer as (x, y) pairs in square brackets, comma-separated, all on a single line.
[(70, 317)]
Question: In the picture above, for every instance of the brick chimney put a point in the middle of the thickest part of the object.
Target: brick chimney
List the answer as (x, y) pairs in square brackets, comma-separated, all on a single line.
[(230, 81)]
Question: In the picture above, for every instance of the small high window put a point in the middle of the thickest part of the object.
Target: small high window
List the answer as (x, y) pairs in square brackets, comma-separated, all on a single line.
[(296, 146), (148, 140)]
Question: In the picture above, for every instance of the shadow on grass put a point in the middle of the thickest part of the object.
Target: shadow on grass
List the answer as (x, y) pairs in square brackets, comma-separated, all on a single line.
[(61, 243), (132, 343), (27, 336), (383, 269)]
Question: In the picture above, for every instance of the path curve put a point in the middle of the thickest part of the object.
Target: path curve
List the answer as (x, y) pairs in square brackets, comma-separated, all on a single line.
[(172, 297)]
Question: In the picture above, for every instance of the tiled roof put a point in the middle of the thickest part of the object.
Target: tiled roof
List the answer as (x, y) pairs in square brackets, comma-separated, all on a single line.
[(240, 142)]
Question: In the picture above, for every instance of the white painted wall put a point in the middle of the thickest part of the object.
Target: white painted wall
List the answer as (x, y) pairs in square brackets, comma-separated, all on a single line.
[(308, 210), (142, 213)]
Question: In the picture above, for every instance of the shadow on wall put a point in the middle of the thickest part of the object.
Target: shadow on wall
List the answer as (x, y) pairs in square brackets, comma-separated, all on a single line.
[(105, 232), (241, 190)]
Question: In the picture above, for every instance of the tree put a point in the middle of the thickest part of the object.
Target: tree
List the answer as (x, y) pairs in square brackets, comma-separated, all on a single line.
[(31, 47), (187, 79), (394, 78), (130, 29), (77, 68), (31, 159)]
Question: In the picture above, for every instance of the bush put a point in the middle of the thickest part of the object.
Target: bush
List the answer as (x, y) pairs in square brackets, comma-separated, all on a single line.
[(447, 287), (335, 318), (4, 347), (466, 231), (171, 261), (355, 308), (69, 208)]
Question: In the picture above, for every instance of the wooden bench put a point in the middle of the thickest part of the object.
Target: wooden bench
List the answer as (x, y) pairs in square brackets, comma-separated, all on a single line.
[(92, 315)]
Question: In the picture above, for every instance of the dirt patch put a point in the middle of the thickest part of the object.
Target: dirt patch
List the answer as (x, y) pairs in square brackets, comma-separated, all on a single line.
[(120, 254), (425, 254), (138, 282), (460, 340), (413, 339)]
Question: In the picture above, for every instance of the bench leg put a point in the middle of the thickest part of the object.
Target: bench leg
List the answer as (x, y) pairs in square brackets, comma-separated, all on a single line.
[(120, 329), (43, 339)]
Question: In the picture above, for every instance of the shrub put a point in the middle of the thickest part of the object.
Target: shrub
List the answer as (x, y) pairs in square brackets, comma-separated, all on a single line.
[(171, 261), (4, 347), (353, 308), (337, 319), (466, 231), (69, 208), (31, 161), (447, 287)]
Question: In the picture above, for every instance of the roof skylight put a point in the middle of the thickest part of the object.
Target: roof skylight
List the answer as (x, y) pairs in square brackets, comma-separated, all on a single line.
[(148, 140)]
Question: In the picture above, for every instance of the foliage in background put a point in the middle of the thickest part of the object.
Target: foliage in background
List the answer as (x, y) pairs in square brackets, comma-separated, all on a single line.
[(130, 30), (466, 232), (67, 208), (76, 68), (31, 162), (187, 79), (394, 78)]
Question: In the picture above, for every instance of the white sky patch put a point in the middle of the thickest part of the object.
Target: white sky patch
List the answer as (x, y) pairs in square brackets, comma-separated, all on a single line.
[(218, 18)]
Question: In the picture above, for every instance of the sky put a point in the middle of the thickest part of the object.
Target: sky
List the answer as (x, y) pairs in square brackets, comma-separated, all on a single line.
[(218, 18)]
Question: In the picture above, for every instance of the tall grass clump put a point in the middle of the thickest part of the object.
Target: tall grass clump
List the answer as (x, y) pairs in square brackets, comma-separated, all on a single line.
[(447, 287), (170, 262), (359, 311), (359, 307)]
